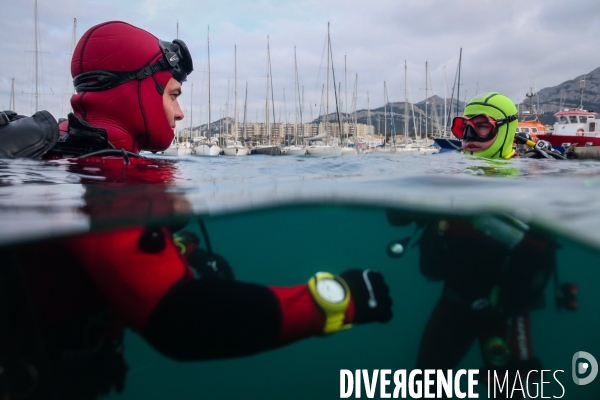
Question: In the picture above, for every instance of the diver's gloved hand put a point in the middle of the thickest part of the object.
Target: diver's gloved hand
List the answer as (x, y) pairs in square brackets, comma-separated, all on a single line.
[(204, 263), (210, 265), (371, 295)]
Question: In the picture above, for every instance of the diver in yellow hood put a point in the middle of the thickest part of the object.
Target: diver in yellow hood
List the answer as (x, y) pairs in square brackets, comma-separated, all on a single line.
[(488, 126)]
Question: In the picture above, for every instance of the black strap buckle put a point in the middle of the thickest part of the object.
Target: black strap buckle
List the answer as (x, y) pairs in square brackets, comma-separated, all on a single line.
[(144, 72)]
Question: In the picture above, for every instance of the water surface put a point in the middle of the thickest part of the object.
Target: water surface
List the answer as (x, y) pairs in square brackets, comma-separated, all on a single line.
[(278, 220)]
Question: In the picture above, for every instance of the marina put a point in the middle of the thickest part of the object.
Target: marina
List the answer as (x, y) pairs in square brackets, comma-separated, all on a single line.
[(212, 205)]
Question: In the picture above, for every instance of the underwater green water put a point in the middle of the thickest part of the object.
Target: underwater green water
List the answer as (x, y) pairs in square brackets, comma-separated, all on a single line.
[(285, 246)]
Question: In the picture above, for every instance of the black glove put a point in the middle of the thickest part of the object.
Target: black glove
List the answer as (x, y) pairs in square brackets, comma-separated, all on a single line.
[(371, 295), (210, 265), (204, 263)]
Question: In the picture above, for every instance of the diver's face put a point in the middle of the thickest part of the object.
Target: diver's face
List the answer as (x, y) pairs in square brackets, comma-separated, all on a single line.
[(170, 102), (483, 127)]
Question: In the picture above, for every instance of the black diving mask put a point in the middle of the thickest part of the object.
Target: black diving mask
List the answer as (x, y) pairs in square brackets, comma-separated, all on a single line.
[(176, 59)]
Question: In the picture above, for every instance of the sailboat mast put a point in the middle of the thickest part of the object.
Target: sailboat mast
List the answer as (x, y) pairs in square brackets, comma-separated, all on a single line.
[(191, 111), (272, 96), (426, 72), (322, 109), (458, 86), (346, 96), (327, 98), (226, 120), (245, 109), (392, 125), (296, 98), (356, 110), (405, 104), (235, 112), (285, 126), (268, 127), (445, 102), (36, 54), (208, 133), (301, 106), (335, 92), (384, 117)]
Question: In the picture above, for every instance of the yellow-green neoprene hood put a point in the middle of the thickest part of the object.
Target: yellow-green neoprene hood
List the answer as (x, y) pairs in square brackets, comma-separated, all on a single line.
[(496, 106)]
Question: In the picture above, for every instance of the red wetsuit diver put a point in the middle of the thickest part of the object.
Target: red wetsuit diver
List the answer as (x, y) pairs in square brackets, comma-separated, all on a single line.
[(88, 288)]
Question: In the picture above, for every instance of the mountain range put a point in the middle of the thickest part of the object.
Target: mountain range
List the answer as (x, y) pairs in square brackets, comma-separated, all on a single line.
[(546, 102), (570, 94)]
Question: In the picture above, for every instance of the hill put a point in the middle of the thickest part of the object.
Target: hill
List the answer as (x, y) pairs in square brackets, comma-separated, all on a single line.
[(546, 102)]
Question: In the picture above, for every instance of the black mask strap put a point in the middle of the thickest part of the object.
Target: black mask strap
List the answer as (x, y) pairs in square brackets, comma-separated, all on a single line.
[(96, 81)]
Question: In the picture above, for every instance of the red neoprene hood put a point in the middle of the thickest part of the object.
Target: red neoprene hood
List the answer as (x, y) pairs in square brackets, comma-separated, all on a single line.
[(133, 112)]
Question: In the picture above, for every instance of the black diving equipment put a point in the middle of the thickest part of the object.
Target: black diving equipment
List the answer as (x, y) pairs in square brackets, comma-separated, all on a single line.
[(566, 298), (541, 148), (27, 137), (504, 229), (205, 263)]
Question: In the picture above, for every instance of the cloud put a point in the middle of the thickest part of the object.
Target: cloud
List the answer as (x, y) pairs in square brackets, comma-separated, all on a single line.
[(507, 46)]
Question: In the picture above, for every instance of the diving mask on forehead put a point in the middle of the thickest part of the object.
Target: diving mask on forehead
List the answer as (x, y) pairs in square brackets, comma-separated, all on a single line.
[(176, 59)]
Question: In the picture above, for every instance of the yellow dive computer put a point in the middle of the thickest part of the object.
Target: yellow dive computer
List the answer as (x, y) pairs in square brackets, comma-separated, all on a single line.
[(332, 295)]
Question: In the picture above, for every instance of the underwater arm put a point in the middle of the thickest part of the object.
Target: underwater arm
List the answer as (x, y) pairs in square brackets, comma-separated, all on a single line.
[(212, 318), (151, 288)]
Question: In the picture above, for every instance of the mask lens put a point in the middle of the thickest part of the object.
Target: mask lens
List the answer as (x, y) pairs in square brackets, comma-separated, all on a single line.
[(458, 126), (483, 125)]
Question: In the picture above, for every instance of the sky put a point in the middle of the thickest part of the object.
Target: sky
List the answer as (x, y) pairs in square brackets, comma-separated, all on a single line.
[(507, 46)]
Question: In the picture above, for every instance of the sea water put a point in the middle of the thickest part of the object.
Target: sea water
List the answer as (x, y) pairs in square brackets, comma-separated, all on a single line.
[(278, 220)]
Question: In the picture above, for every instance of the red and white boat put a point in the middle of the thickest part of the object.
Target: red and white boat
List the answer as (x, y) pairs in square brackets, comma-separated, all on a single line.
[(575, 126)]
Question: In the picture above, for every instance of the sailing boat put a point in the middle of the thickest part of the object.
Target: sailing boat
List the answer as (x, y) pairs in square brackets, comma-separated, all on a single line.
[(452, 143), (294, 149), (346, 149), (185, 148), (236, 148), (366, 147), (326, 149), (268, 149), (206, 147), (406, 148), (422, 144), (424, 148)]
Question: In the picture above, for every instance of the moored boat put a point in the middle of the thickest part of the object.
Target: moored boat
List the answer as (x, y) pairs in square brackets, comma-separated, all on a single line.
[(573, 127), (267, 149), (294, 150)]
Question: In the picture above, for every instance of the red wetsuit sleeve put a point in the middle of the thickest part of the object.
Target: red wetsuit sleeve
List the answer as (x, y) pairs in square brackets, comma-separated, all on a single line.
[(300, 315), (133, 281)]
